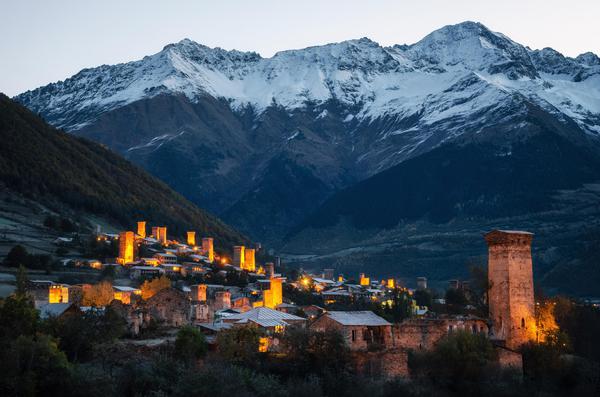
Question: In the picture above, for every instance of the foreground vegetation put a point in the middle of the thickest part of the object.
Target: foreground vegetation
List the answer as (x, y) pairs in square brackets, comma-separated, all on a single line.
[(86, 354)]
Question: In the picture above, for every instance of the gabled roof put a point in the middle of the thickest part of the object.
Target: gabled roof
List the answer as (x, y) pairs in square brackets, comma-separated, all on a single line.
[(53, 309), (264, 317), (366, 318)]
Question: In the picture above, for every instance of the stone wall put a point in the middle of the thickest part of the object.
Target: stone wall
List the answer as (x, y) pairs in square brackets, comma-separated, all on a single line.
[(423, 334)]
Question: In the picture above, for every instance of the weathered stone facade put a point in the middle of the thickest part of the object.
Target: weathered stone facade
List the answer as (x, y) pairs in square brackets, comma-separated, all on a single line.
[(511, 298), (169, 307), (358, 337), (423, 334)]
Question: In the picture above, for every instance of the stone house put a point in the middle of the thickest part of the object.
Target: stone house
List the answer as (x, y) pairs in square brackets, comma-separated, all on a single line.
[(362, 330), (170, 307)]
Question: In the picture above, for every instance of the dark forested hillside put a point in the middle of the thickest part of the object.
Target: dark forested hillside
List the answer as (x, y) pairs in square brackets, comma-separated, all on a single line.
[(61, 170)]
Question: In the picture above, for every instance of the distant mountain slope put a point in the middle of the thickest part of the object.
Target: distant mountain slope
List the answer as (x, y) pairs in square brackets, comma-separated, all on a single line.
[(426, 215), (61, 170), (228, 128)]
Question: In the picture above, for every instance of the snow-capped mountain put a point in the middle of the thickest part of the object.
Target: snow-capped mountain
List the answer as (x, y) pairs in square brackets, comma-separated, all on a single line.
[(375, 80), (252, 137)]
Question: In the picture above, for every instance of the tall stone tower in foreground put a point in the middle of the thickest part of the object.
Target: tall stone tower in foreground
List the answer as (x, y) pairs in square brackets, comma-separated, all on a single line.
[(510, 274)]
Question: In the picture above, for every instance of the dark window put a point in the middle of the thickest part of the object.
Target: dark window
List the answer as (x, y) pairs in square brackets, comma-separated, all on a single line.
[(522, 323), (353, 335)]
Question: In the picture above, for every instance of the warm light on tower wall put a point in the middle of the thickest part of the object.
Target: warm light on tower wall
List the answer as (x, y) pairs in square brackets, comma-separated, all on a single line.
[(126, 240), (511, 298), (239, 256), (191, 238), (364, 280), (274, 295), (249, 260), (141, 229)]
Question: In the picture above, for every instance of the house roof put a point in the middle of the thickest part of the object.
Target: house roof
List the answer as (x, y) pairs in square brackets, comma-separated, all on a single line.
[(53, 309), (367, 318), (124, 288), (264, 317)]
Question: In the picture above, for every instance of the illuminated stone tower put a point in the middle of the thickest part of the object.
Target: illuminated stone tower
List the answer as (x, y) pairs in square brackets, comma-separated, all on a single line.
[(208, 248), (510, 274), (191, 238), (199, 292), (273, 296), (162, 235), (155, 232), (364, 280), (141, 229), (249, 260), (239, 256), (126, 240)]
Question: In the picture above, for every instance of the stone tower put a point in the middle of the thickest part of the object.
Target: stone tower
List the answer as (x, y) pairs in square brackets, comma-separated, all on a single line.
[(141, 229), (208, 248), (510, 275), (249, 260), (239, 256), (191, 238), (126, 240)]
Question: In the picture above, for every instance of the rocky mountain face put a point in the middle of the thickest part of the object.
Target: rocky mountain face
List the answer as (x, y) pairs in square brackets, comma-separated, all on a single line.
[(263, 142)]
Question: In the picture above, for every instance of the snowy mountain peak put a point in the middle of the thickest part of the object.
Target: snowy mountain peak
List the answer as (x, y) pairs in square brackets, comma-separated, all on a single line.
[(453, 72)]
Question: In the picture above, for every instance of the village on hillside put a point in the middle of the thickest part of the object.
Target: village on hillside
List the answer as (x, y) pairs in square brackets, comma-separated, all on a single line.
[(162, 284)]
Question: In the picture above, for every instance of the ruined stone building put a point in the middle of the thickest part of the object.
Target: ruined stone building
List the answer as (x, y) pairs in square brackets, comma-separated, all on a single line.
[(361, 329), (424, 333), (511, 298), (169, 307)]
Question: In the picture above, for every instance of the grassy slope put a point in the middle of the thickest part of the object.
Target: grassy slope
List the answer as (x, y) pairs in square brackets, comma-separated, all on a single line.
[(51, 166)]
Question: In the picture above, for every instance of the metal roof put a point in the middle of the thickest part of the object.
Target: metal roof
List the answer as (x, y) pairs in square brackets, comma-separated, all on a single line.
[(367, 318), (264, 317), (53, 309)]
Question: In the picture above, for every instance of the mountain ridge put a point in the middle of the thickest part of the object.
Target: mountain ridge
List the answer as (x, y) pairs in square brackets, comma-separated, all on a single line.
[(230, 129)]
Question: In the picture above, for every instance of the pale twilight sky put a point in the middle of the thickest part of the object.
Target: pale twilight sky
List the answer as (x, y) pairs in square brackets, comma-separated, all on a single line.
[(43, 41)]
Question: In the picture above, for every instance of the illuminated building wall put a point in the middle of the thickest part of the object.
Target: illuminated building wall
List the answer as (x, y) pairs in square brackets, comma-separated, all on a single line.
[(58, 294), (191, 238), (274, 295), (141, 229), (239, 256), (208, 248), (391, 283), (126, 241), (123, 296), (199, 292), (162, 235), (222, 300), (510, 275), (364, 281), (249, 260), (155, 232)]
